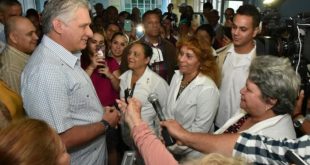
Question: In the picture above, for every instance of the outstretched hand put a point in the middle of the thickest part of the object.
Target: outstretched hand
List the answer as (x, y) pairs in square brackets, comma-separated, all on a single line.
[(175, 130), (132, 111)]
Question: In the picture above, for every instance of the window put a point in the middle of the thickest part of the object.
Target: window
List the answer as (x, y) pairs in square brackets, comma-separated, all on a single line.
[(143, 5)]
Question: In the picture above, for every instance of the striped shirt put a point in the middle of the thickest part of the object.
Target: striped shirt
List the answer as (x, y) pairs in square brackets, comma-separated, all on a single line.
[(13, 62), (57, 90), (263, 150)]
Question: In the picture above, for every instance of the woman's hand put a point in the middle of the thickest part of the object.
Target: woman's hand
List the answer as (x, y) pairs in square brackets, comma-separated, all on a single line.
[(95, 61), (105, 70), (132, 111)]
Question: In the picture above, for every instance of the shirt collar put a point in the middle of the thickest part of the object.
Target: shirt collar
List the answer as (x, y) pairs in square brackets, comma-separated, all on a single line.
[(146, 40), (65, 55), (11, 48), (251, 54)]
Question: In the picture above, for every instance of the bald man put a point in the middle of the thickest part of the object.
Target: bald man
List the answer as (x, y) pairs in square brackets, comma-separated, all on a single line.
[(8, 8), (21, 39)]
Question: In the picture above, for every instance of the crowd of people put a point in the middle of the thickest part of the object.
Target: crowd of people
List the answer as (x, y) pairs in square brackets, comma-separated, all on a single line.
[(80, 81)]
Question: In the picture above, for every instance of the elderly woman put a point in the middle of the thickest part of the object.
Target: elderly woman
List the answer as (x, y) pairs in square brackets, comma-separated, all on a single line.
[(193, 94), (267, 100), (283, 79), (141, 81)]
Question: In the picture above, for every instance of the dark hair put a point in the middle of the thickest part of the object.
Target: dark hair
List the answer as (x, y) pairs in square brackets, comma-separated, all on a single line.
[(208, 5), (147, 50), (124, 13), (4, 4), (208, 28), (112, 23), (251, 11), (32, 12), (120, 34), (150, 12)]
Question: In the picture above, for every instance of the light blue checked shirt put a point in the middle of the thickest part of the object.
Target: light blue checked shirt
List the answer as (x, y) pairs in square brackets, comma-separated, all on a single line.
[(57, 90)]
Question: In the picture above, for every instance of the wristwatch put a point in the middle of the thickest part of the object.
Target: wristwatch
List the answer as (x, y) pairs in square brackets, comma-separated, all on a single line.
[(298, 121), (105, 124)]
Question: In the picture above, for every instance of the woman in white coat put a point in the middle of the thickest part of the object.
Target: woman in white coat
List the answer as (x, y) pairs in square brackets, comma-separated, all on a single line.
[(142, 81), (267, 100), (193, 94)]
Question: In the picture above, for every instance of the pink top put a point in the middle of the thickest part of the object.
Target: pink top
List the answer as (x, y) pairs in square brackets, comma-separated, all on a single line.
[(102, 84), (150, 147)]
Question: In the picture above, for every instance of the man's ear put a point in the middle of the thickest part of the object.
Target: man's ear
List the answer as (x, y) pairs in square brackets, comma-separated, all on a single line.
[(148, 59), (13, 37), (256, 31), (58, 26)]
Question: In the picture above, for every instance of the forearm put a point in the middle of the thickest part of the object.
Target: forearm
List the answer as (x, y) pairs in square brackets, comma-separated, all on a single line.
[(82, 134), (115, 81), (306, 126), (207, 143), (151, 148)]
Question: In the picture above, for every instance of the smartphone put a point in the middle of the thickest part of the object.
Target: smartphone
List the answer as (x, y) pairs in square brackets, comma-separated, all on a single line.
[(101, 51), (127, 25)]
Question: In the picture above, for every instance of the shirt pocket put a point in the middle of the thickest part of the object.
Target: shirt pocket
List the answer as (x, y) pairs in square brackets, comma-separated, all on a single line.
[(80, 97)]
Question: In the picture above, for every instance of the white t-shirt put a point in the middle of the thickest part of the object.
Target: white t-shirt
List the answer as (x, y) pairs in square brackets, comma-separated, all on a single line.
[(234, 75)]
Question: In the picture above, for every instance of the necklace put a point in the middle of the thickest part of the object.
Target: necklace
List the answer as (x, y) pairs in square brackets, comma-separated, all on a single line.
[(184, 84)]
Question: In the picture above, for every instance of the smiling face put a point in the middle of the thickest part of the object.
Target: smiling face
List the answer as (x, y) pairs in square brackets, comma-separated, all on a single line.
[(24, 36), (75, 33), (118, 45), (243, 31), (137, 58), (188, 61)]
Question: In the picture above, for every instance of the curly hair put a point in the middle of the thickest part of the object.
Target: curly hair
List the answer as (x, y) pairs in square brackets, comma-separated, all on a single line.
[(202, 50), (276, 79)]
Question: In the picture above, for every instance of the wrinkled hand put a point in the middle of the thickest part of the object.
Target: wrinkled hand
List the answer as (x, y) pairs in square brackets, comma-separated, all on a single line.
[(112, 116), (175, 129), (132, 111)]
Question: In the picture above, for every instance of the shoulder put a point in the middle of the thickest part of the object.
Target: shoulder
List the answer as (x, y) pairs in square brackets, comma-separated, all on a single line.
[(223, 49), (205, 81)]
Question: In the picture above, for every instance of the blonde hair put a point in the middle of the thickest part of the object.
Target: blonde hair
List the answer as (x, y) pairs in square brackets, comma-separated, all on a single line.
[(216, 159), (29, 142)]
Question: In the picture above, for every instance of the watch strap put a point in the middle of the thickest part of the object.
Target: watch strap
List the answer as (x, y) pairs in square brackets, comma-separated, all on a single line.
[(106, 124), (298, 121)]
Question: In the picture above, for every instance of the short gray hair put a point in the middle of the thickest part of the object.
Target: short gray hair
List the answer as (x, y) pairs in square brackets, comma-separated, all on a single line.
[(61, 9), (276, 79)]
